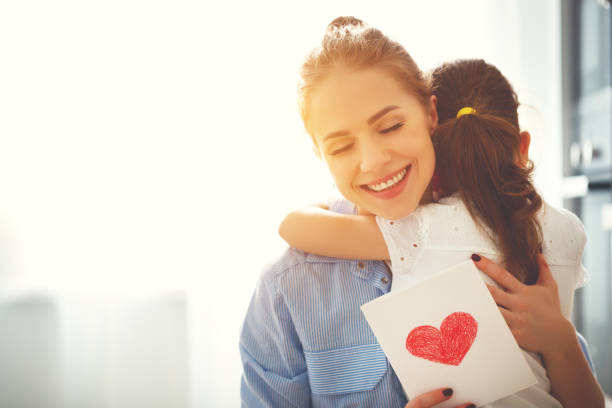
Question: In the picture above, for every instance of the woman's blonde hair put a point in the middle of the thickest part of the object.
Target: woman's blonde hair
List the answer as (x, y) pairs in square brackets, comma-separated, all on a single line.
[(349, 42)]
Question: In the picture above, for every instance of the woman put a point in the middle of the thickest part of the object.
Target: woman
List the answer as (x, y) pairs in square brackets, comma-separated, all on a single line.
[(304, 340)]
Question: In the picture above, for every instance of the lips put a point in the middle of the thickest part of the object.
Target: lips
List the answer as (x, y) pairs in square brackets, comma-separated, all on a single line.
[(389, 183), (389, 186)]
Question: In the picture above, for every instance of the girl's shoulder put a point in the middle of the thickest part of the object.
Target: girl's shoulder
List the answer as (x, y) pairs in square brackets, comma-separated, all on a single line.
[(411, 227), (447, 207), (451, 226), (563, 234), (447, 224), (417, 225), (559, 215)]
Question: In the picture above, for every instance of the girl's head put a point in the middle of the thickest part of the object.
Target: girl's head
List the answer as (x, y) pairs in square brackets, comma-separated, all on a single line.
[(483, 157), (370, 114)]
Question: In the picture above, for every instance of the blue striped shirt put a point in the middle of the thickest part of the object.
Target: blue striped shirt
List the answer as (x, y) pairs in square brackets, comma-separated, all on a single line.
[(305, 342)]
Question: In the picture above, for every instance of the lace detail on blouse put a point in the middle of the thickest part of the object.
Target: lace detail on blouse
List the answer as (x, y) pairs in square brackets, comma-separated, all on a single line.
[(405, 248), (446, 227)]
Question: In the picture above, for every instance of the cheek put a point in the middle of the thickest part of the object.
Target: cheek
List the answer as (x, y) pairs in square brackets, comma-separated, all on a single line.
[(339, 173), (420, 149), (426, 153), (430, 156)]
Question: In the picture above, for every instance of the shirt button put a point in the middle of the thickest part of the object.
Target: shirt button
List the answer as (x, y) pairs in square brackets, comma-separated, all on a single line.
[(360, 265), (384, 280)]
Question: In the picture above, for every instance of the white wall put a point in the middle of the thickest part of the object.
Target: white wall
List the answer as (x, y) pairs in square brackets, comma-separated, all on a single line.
[(151, 146)]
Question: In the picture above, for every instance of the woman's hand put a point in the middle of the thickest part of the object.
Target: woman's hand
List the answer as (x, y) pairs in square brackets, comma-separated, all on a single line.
[(533, 312), (433, 398)]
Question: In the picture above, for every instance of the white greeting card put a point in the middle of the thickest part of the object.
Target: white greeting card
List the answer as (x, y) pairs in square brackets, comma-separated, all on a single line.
[(448, 332)]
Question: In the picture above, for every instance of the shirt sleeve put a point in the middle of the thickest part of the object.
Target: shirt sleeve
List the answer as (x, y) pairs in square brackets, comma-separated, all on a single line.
[(389, 234), (340, 205), (274, 367)]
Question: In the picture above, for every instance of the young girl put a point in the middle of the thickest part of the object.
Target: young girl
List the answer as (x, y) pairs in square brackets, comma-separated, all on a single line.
[(489, 206)]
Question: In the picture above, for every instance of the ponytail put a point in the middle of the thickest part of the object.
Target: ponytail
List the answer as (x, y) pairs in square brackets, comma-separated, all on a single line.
[(477, 157)]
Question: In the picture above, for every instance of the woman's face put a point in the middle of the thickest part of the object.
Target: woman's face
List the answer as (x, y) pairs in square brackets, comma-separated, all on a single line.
[(375, 138)]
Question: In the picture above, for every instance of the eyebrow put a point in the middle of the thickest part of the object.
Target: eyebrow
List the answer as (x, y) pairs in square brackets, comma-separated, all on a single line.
[(372, 119), (381, 113)]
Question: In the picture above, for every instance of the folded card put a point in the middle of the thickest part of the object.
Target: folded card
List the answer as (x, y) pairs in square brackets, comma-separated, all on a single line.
[(447, 331)]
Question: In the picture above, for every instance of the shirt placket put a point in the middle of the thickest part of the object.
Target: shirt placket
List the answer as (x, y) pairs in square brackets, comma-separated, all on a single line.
[(380, 276)]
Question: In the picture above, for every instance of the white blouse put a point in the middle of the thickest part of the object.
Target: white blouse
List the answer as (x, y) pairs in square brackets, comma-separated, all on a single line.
[(440, 235)]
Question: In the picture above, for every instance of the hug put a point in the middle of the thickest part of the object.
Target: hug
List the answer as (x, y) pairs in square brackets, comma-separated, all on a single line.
[(434, 170)]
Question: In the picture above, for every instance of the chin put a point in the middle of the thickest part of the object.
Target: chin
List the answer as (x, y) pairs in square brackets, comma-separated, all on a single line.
[(401, 212)]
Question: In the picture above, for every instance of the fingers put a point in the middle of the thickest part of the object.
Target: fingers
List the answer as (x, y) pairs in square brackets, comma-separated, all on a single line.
[(430, 399), (433, 398), (502, 298), (509, 317), (545, 277), (503, 278)]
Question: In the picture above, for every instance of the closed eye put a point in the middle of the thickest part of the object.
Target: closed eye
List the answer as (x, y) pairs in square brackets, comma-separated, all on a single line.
[(340, 150), (392, 128)]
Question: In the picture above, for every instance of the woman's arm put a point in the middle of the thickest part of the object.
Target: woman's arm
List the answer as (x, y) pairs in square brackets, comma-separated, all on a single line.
[(571, 378), (533, 313), (317, 230), (274, 372)]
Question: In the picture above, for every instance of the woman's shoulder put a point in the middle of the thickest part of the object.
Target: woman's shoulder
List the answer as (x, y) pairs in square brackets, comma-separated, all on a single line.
[(293, 262)]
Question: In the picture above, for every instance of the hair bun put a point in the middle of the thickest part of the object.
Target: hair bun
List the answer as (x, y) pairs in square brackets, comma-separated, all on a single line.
[(345, 21)]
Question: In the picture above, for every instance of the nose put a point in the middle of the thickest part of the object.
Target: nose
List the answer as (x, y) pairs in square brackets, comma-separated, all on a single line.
[(374, 156)]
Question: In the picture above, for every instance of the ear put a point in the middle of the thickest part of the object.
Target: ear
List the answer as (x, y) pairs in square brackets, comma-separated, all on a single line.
[(433, 114), (524, 147)]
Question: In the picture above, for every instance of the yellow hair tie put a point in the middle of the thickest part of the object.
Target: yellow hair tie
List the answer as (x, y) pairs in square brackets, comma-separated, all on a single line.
[(465, 111)]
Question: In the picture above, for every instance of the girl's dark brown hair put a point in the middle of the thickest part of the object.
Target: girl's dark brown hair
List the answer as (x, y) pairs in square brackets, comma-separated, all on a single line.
[(477, 155)]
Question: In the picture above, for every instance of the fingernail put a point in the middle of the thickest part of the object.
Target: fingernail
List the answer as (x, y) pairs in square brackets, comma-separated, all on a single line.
[(471, 406), (448, 392), (475, 258)]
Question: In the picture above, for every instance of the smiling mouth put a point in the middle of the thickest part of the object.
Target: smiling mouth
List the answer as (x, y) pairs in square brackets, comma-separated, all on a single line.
[(388, 184)]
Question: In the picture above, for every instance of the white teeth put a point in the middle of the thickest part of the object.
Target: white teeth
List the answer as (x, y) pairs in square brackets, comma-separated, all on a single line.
[(392, 181)]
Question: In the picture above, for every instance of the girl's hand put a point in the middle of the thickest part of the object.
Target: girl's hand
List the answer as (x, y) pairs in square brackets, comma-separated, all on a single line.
[(433, 398), (533, 312)]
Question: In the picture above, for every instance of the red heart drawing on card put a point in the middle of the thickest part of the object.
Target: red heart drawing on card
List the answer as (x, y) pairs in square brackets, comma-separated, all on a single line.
[(449, 344)]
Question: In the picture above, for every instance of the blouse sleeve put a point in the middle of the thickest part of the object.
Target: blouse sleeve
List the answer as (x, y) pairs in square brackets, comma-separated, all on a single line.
[(582, 277), (580, 239), (405, 240)]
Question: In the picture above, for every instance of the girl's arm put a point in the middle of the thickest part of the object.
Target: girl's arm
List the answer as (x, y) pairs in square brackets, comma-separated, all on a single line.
[(533, 313), (317, 230)]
